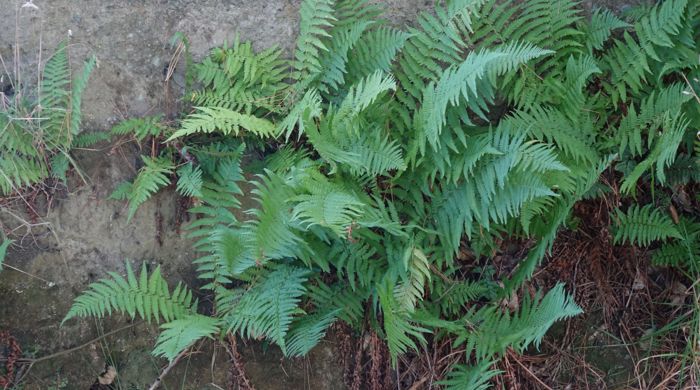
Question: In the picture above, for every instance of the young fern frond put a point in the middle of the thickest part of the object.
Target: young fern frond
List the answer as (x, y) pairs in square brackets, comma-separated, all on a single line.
[(316, 18), (495, 330), (470, 377), (146, 296), (643, 225), (269, 307), (179, 334), (3, 250), (211, 119), (189, 182), (140, 127), (151, 177), (306, 332)]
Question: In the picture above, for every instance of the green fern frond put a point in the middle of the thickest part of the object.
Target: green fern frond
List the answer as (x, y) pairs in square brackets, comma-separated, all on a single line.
[(269, 307), (410, 291), (659, 24), (642, 225), (189, 182), (178, 335), (327, 206), (375, 51), (401, 333), (460, 82), (147, 296), (59, 166), (349, 301), (316, 18), (84, 140), (211, 119), (77, 87), (628, 65), (3, 250), (461, 377), (306, 332), (662, 155), (151, 177), (140, 127), (495, 330), (603, 22)]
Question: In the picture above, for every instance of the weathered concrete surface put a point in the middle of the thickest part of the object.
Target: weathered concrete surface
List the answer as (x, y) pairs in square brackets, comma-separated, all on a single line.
[(131, 39)]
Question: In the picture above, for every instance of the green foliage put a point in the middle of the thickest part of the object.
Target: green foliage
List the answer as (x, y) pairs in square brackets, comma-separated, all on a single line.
[(153, 176), (642, 225), (473, 378), (386, 156), (495, 330), (3, 250), (146, 296), (269, 307), (37, 136), (177, 335)]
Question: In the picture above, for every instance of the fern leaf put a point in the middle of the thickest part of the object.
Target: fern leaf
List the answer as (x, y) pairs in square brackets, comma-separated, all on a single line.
[(602, 23), (477, 377), (642, 225), (3, 250), (268, 308), (211, 119), (189, 181), (78, 86), (306, 332), (178, 335), (459, 82), (151, 177), (495, 330), (316, 18), (409, 292), (149, 297)]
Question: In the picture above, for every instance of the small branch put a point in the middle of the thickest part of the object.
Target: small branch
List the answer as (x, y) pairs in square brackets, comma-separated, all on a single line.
[(167, 369)]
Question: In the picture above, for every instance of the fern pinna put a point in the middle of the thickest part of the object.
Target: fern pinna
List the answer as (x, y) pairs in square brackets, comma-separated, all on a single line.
[(389, 154)]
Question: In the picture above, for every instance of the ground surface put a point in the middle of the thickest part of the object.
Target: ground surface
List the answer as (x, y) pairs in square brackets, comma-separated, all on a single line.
[(89, 234)]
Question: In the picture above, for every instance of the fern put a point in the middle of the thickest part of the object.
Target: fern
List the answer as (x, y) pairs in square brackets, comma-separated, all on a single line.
[(178, 335), (37, 136), (603, 22), (379, 158), (190, 181), (494, 330), (146, 296), (316, 18), (643, 225), (140, 127), (268, 309), (473, 378), (306, 332), (3, 250), (151, 177), (210, 119)]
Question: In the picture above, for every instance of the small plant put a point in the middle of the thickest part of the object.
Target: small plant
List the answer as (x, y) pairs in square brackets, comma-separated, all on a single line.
[(396, 163), (38, 135)]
